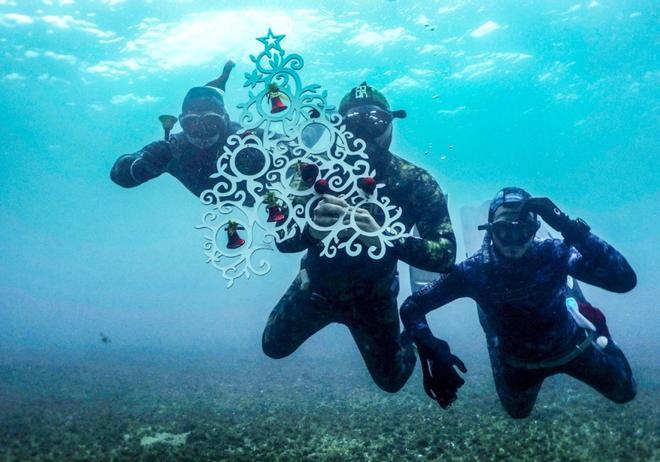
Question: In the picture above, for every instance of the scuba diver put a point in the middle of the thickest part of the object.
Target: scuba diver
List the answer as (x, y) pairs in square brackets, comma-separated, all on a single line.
[(536, 331), (361, 292), (190, 155)]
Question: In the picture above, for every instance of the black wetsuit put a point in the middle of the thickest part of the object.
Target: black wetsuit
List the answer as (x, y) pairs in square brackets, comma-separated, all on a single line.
[(523, 302), (189, 164)]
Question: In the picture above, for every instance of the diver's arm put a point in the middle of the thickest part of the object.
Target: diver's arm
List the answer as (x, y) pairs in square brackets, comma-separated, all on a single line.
[(590, 259), (435, 249), (440, 378), (595, 262), (151, 161), (447, 288)]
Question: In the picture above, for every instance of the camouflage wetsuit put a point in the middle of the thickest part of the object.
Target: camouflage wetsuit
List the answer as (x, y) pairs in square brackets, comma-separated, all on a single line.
[(361, 293), (189, 164), (523, 302)]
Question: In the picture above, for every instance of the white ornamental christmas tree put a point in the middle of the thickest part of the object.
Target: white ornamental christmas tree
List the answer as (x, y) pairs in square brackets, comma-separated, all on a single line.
[(292, 150)]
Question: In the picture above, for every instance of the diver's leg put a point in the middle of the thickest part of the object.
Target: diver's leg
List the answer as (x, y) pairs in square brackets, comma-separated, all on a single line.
[(605, 369), (516, 388), (390, 358), (297, 316)]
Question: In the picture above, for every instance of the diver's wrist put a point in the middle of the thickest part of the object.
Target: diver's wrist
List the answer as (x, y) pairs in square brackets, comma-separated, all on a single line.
[(421, 333), (576, 230)]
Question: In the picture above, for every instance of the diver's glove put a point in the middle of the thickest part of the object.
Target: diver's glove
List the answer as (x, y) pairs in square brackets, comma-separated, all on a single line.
[(152, 161), (441, 381), (558, 220)]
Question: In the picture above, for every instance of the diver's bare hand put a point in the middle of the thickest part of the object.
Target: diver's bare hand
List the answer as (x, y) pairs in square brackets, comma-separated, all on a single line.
[(338, 201), (366, 221), (327, 212)]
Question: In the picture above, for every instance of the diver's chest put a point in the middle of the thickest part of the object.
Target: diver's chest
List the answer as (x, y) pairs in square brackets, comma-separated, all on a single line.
[(399, 199), (524, 289)]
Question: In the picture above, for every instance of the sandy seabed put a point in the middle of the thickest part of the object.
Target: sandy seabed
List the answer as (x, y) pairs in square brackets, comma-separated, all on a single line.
[(155, 407)]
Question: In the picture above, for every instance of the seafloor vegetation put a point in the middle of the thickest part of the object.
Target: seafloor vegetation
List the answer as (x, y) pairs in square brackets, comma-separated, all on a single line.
[(158, 409)]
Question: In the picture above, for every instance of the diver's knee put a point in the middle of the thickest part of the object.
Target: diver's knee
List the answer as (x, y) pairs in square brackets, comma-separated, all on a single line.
[(625, 396), (392, 383), (390, 386), (273, 349), (518, 413), (274, 352), (517, 410)]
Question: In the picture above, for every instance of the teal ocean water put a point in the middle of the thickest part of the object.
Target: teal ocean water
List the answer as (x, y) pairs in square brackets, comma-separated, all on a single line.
[(558, 97)]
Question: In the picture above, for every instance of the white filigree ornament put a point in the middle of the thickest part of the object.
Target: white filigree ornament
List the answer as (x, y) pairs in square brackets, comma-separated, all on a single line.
[(292, 149)]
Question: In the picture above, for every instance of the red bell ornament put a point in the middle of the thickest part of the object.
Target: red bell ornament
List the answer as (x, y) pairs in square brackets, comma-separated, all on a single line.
[(275, 96), (234, 241), (275, 214)]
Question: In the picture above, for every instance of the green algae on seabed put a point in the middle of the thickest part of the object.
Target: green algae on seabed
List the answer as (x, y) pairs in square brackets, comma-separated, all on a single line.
[(260, 410)]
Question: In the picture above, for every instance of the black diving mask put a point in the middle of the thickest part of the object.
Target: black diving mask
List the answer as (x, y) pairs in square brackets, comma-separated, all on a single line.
[(514, 232), (370, 121), (205, 125)]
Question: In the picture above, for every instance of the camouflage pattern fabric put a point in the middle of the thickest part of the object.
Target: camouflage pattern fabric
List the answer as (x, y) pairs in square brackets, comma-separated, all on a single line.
[(360, 292), (373, 323)]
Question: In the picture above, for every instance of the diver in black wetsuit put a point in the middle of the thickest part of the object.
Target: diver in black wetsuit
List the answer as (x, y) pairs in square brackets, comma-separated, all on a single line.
[(520, 286), (190, 155)]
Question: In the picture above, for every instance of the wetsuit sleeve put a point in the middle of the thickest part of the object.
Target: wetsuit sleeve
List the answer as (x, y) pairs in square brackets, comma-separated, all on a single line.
[(595, 262), (447, 288), (435, 249), (151, 161)]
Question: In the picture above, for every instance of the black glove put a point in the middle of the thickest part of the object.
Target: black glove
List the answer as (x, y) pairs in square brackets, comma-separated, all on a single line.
[(558, 220), (152, 162), (441, 381), (546, 209)]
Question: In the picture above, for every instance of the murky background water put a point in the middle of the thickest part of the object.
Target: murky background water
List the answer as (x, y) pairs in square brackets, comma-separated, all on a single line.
[(558, 97)]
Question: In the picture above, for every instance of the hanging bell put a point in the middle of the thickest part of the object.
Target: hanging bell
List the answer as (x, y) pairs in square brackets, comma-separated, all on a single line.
[(234, 241), (275, 214), (275, 97), (276, 104), (367, 184), (308, 172)]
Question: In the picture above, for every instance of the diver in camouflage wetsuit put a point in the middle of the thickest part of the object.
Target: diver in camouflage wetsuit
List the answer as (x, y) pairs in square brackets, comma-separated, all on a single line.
[(359, 292), (534, 330)]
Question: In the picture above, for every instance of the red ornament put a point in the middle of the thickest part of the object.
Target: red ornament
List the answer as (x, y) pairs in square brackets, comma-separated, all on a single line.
[(308, 172), (276, 105), (234, 241), (322, 186), (367, 184), (275, 214)]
